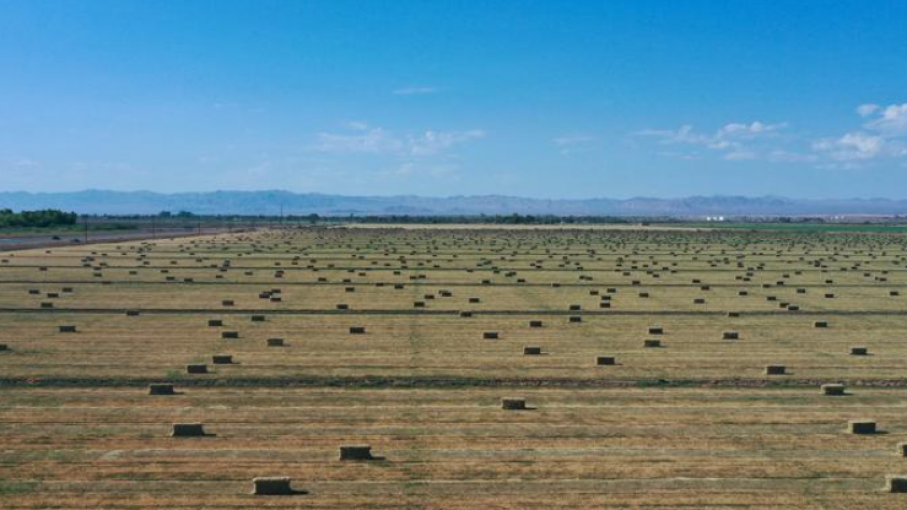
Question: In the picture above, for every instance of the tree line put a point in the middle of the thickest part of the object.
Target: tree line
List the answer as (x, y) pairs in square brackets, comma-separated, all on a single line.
[(42, 218)]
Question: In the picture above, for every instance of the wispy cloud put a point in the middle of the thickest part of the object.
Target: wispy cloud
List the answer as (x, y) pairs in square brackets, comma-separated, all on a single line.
[(882, 135), (433, 142), (414, 90), (890, 121), (572, 143), (362, 138), (865, 110), (25, 163), (735, 141), (851, 146)]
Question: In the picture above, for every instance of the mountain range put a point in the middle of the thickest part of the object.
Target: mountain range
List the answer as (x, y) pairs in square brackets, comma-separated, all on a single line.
[(272, 202)]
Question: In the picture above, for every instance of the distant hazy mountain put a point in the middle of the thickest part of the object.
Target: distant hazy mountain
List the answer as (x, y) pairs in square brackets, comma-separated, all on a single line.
[(270, 202)]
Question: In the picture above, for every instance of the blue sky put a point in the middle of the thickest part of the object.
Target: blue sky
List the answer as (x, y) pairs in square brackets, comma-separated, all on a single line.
[(559, 99)]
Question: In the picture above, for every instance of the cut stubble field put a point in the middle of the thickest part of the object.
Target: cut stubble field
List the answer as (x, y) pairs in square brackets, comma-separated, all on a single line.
[(652, 388)]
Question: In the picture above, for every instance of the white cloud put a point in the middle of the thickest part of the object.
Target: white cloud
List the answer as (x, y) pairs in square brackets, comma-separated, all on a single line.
[(573, 143), (433, 142), (568, 140), (865, 110), (852, 146), (363, 138), (412, 170), (414, 90), (784, 156), (735, 140), (25, 163), (740, 155), (883, 136), (892, 121), (748, 130)]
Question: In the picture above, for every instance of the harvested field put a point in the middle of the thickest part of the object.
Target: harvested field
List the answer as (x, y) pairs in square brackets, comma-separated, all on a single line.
[(698, 422)]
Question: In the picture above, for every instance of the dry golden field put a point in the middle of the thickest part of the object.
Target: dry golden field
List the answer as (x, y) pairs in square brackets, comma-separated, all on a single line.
[(694, 423)]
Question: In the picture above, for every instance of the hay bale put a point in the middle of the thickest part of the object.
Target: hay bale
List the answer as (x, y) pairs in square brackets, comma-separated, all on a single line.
[(651, 343), (575, 319), (160, 389), (229, 335), (733, 315), (133, 313), (465, 313), (513, 404), (357, 330), (47, 305), (273, 486), (188, 430), (490, 335), (4, 347), (215, 323), (275, 342), (859, 351), (862, 426), (656, 330), (67, 329), (222, 359), (730, 335), (356, 452), (418, 304), (474, 300), (532, 351), (535, 324), (227, 302), (820, 324), (902, 449), (775, 370), (605, 360), (896, 484), (196, 369), (575, 308), (258, 318), (833, 389)]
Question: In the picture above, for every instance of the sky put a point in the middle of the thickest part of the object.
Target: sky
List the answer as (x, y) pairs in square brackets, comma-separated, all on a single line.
[(548, 99)]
